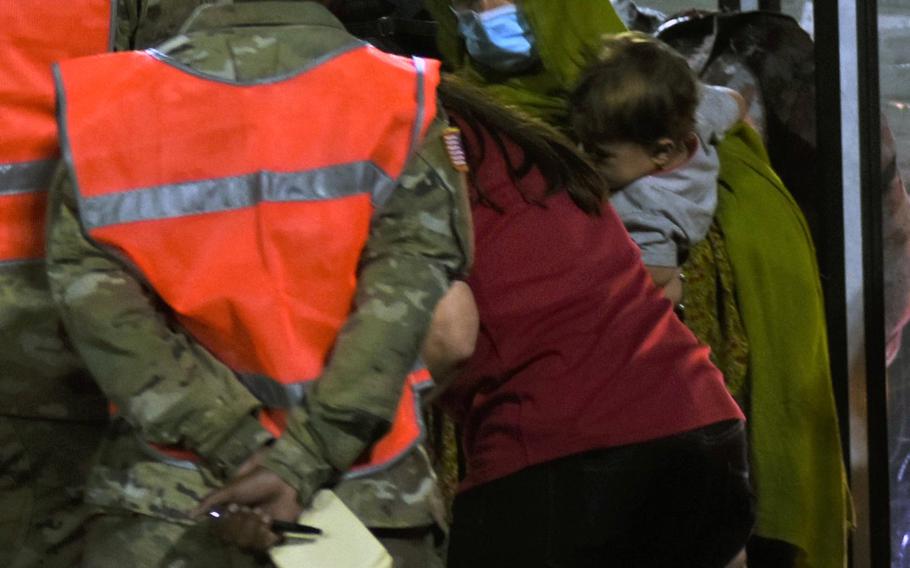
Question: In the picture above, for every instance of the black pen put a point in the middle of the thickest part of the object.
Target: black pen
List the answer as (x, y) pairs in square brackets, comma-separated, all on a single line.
[(284, 527)]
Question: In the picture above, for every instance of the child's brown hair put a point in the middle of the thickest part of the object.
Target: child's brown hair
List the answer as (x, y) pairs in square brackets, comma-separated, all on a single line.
[(638, 90)]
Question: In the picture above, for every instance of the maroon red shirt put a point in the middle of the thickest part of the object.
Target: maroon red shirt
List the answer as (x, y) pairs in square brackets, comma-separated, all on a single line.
[(578, 350)]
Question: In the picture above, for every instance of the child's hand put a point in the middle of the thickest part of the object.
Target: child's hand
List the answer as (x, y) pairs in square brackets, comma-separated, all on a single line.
[(668, 278), (743, 105)]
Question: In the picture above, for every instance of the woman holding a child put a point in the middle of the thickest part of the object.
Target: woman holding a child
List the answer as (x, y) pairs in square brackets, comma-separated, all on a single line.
[(596, 430)]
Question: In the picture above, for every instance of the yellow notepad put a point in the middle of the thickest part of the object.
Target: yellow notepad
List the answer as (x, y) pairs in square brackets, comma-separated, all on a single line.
[(344, 542)]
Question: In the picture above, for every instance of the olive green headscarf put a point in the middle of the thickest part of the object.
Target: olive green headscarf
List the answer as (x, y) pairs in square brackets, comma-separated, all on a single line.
[(566, 32)]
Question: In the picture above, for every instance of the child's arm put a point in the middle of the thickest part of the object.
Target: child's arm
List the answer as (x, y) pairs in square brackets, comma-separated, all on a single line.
[(740, 100), (719, 109), (667, 278), (742, 104)]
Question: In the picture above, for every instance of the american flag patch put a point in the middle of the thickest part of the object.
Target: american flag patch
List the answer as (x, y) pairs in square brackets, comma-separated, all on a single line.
[(452, 137)]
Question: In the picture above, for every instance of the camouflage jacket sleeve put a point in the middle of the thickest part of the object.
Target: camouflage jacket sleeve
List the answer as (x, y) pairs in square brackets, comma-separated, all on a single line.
[(418, 243), (145, 23), (165, 384)]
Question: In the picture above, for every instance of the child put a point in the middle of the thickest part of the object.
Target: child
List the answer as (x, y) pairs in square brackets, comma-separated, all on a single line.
[(648, 126)]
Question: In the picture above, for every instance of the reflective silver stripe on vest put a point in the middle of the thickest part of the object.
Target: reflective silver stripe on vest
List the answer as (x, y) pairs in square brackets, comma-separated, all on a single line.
[(17, 263), (26, 176), (421, 67), (277, 395), (272, 393), (112, 27), (380, 197), (225, 194)]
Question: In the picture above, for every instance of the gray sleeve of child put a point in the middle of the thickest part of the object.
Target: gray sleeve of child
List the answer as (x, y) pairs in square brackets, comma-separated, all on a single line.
[(666, 214)]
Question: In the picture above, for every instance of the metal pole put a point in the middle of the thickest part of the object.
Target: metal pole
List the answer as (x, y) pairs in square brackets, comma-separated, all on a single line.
[(846, 35), (834, 176), (869, 111), (858, 460), (831, 177)]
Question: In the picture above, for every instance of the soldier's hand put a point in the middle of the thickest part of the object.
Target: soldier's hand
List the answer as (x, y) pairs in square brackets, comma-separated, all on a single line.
[(249, 529), (251, 463), (260, 490)]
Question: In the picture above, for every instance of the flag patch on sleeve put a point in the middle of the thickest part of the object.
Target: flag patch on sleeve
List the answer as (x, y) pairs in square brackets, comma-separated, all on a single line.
[(452, 138)]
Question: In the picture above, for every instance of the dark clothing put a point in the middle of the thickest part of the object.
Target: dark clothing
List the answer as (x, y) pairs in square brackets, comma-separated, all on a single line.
[(682, 501), (43, 468), (770, 553)]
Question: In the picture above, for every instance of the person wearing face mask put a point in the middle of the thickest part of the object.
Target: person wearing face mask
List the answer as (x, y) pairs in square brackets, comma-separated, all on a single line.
[(498, 38), (525, 54)]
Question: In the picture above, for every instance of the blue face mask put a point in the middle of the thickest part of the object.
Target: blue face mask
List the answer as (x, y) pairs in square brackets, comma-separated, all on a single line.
[(499, 38)]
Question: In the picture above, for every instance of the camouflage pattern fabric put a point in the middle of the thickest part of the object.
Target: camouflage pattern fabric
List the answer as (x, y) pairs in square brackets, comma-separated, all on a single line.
[(52, 415), (117, 540), (145, 23), (405, 495), (171, 391), (43, 466), (134, 484), (40, 376), (132, 476), (168, 387)]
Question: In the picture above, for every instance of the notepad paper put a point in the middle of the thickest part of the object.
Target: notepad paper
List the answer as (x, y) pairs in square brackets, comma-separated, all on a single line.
[(344, 542)]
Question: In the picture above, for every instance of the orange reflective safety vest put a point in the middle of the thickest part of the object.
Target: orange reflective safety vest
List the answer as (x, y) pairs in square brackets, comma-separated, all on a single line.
[(33, 35), (246, 205)]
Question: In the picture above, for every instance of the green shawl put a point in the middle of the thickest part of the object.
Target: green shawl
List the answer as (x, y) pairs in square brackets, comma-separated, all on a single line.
[(565, 33), (795, 443)]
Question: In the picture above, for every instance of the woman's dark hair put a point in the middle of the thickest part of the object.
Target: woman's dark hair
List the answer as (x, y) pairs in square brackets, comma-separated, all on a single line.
[(555, 156), (637, 89)]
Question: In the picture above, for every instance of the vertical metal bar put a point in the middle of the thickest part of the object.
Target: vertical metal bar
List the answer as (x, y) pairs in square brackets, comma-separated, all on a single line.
[(869, 113), (855, 293), (830, 175), (770, 5), (858, 461), (834, 174)]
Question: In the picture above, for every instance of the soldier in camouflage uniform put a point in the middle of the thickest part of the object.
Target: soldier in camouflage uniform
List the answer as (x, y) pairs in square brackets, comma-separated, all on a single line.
[(52, 415), (171, 391)]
